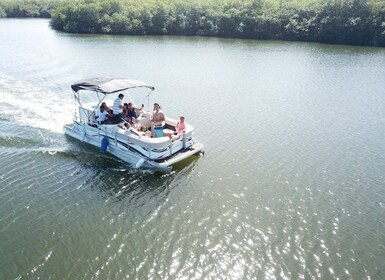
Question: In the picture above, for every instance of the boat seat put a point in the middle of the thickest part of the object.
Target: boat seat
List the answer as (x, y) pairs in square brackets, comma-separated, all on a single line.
[(168, 131), (145, 120)]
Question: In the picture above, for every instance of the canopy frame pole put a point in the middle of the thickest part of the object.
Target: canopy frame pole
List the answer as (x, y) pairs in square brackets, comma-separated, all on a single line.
[(131, 100), (77, 98), (98, 85), (148, 96)]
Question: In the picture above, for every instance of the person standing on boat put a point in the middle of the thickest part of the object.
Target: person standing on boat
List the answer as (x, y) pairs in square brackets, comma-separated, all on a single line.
[(157, 119), (117, 108)]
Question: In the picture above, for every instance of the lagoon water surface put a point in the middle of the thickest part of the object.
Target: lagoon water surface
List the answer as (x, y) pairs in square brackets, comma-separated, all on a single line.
[(291, 185)]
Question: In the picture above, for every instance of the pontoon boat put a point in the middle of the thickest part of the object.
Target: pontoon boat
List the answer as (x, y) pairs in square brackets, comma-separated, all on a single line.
[(138, 150)]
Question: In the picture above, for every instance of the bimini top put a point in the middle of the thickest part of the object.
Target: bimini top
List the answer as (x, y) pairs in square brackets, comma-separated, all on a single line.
[(108, 84)]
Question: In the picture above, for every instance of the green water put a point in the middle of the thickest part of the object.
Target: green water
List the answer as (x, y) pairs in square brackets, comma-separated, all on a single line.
[(291, 185)]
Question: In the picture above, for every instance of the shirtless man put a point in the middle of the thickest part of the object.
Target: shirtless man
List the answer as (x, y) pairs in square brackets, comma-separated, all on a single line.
[(157, 119)]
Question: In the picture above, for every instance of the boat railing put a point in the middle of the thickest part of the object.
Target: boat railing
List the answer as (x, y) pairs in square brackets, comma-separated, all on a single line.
[(150, 147)]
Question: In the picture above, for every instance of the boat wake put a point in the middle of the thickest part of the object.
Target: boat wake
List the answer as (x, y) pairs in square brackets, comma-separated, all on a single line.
[(26, 104)]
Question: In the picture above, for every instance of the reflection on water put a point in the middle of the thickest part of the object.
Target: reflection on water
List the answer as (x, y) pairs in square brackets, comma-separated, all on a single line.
[(291, 185)]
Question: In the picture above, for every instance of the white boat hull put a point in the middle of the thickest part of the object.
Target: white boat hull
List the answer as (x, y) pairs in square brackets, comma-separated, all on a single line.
[(126, 142), (133, 150)]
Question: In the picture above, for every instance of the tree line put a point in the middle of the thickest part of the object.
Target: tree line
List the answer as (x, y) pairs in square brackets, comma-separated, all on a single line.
[(27, 8), (354, 22)]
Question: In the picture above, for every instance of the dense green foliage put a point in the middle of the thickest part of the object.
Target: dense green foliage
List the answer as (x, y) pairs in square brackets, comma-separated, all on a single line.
[(357, 22), (27, 8)]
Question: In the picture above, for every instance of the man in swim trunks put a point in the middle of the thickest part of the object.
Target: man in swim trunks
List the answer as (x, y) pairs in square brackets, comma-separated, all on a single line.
[(157, 119)]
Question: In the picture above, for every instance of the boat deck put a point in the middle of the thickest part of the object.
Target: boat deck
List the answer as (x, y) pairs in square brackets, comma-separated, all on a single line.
[(181, 155)]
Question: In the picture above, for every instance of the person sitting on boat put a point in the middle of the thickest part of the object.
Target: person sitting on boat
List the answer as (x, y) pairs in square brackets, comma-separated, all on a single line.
[(135, 123), (125, 112), (106, 108), (117, 108), (157, 119), (179, 129), (180, 126), (111, 118), (129, 129), (102, 115), (133, 112)]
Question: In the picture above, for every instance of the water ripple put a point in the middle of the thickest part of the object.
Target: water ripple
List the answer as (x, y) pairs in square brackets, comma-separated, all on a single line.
[(291, 185)]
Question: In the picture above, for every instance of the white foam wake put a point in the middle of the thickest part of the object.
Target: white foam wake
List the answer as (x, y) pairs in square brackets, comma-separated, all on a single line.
[(27, 104)]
